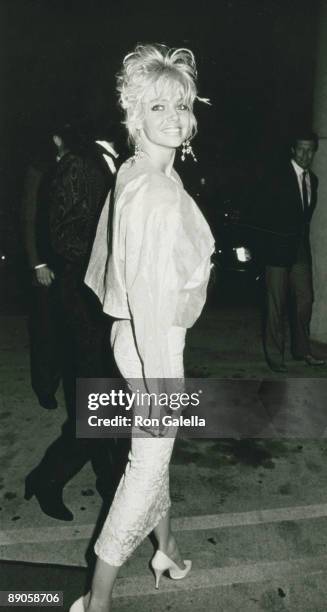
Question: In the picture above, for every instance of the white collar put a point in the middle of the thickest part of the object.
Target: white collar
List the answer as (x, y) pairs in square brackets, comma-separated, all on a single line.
[(299, 171), (105, 144)]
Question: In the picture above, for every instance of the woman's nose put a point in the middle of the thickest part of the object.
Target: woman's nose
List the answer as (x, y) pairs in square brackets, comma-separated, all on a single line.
[(173, 114)]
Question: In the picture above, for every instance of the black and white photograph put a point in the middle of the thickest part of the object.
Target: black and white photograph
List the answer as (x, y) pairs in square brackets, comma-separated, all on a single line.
[(163, 318)]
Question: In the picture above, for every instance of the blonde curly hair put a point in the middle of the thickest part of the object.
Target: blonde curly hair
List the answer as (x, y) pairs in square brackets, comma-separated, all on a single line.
[(168, 69)]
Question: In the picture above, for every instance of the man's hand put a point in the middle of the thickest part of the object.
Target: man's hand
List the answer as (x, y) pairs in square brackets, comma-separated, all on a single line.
[(44, 276)]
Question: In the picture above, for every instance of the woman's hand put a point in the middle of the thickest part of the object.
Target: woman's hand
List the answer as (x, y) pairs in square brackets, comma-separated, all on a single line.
[(156, 432), (157, 429), (171, 388)]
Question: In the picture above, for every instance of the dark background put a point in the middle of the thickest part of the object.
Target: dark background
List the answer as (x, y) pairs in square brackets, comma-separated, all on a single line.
[(256, 61)]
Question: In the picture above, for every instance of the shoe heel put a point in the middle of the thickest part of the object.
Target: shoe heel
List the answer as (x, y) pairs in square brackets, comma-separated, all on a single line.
[(158, 573)]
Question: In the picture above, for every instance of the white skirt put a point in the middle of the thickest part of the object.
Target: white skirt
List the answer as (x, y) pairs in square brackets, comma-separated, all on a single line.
[(142, 498)]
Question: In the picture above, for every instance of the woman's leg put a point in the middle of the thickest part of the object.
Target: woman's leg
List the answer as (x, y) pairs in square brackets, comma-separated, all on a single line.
[(163, 533), (166, 540), (142, 496), (99, 598)]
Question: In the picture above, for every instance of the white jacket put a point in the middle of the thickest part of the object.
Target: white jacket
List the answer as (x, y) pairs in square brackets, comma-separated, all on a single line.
[(158, 270)]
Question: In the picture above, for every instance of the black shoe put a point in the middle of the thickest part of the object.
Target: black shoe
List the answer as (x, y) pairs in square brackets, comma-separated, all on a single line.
[(48, 402), (313, 361), (309, 360), (49, 496), (280, 368)]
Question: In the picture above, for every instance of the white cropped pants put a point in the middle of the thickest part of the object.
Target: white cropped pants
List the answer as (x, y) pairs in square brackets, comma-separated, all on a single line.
[(142, 498)]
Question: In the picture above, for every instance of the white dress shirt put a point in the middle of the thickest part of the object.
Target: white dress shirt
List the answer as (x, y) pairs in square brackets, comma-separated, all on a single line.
[(299, 173)]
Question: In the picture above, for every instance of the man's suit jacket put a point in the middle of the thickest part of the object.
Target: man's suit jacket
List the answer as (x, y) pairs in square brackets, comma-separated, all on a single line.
[(78, 191), (280, 219)]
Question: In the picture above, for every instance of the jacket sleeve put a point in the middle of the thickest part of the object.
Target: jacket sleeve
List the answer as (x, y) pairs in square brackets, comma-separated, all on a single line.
[(152, 278), (29, 212)]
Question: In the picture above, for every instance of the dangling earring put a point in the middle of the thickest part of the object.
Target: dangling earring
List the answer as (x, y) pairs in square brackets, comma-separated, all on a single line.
[(137, 152), (187, 150)]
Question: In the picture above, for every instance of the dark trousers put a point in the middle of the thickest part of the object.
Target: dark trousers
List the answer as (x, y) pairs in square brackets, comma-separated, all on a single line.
[(85, 333), (294, 282), (69, 335), (45, 340)]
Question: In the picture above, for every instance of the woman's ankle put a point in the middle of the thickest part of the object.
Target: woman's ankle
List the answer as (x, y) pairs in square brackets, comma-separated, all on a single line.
[(171, 545), (172, 551), (94, 604)]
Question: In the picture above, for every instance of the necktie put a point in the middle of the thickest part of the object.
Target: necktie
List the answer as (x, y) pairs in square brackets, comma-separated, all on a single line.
[(305, 194)]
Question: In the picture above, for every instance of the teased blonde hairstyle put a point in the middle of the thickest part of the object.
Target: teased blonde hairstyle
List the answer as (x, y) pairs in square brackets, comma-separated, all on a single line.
[(158, 65)]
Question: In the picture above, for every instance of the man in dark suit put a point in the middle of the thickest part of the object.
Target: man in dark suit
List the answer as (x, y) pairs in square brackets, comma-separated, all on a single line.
[(44, 323), (287, 205), (77, 191)]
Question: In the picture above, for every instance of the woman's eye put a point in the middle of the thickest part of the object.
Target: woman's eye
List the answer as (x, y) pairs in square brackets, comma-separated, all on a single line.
[(183, 107), (157, 107)]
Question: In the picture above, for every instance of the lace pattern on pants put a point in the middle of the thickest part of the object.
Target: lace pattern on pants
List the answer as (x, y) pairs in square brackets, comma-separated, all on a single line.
[(142, 498)]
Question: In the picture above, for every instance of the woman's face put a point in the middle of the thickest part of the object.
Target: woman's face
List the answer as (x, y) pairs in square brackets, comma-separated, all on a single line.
[(166, 118)]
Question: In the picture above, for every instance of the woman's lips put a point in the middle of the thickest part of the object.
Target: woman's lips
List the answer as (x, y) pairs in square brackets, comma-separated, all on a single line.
[(172, 130)]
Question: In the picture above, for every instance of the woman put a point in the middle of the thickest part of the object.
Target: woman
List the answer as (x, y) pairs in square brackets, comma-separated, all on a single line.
[(154, 284)]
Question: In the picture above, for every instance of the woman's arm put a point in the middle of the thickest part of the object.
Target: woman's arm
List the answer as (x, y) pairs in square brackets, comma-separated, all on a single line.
[(152, 284)]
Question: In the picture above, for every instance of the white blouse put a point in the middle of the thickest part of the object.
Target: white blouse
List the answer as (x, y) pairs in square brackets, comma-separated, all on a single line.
[(158, 269)]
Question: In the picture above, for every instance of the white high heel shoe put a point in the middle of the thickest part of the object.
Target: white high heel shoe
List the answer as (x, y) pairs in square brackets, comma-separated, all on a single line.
[(78, 605), (161, 563)]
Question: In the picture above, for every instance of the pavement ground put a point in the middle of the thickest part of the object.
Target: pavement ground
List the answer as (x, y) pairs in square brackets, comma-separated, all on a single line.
[(250, 513)]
